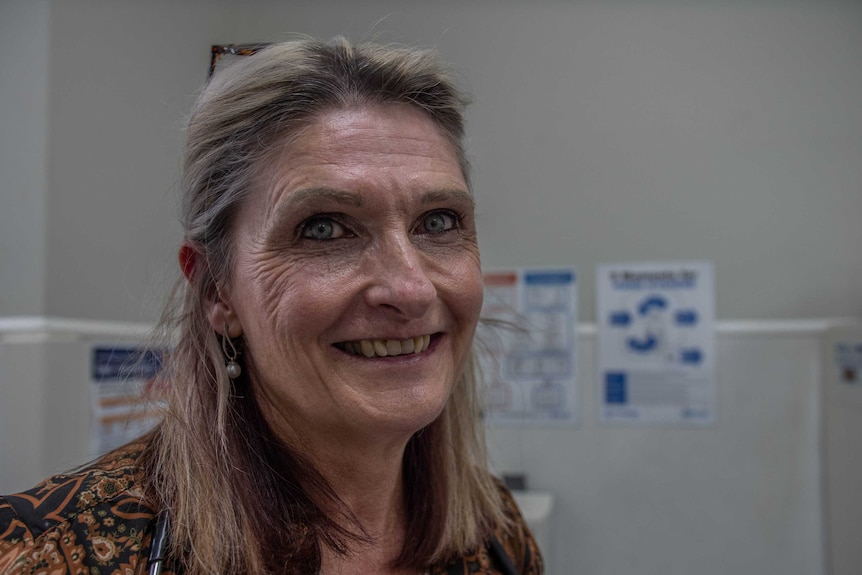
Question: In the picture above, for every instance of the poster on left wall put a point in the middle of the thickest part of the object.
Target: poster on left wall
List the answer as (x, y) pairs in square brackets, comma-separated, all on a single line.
[(123, 401)]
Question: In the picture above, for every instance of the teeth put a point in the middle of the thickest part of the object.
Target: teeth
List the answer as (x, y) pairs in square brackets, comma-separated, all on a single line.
[(380, 348), (388, 347), (407, 346)]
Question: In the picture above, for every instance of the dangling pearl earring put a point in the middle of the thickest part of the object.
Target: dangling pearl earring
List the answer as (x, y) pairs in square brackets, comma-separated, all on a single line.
[(232, 367)]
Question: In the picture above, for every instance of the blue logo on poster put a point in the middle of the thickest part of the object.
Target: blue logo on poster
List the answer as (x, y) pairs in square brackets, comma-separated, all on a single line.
[(549, 278), (691, 356), (686, 317), (616, 389), (644, 345), (654, 302), (620, 318)]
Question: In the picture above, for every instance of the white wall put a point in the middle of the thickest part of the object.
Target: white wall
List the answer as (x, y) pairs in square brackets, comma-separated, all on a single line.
[(740, 497), (24, 80), (123, 76), (728, 131), (47, 422)]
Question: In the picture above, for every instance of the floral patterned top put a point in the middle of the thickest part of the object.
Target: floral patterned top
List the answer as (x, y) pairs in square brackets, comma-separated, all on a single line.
[(95, 522)]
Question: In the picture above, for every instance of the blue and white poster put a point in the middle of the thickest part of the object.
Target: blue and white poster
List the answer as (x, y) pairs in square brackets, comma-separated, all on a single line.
[(656, 361), (123, 385), (527, 346)]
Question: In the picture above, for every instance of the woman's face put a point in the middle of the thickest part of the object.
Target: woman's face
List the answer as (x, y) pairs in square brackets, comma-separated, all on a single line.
[(357, 283)]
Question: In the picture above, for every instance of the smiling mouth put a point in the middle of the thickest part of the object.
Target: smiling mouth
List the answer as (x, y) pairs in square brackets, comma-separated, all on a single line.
[(386, 347)]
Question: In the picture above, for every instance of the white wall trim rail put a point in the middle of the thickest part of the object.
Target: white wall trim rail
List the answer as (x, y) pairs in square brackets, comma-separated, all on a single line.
[(41, 327)]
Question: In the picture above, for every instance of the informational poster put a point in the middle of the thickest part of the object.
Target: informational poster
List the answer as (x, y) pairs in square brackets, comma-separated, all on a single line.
[(841, 427), (656, 360), (847, 362), (527, 346), (121, 380)]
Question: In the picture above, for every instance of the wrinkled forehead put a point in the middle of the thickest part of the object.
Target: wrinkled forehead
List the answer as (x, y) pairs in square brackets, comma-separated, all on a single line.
[(349, 149), (331, 125), (377, 135)]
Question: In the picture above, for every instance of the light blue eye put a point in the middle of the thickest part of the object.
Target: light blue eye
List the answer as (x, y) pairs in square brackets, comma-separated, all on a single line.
[(321, 228), (437, 222)]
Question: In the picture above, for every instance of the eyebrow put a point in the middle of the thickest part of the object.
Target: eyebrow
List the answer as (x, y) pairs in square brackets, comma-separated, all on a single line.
[(304, 195), (438, 196), (295, 201), (300, 197)]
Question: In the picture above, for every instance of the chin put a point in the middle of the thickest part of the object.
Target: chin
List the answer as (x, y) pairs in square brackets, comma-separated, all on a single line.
[(407, 420)]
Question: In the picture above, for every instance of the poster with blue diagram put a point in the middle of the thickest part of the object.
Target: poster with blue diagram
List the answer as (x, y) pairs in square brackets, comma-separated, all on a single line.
[(656, 360), (526, 345)]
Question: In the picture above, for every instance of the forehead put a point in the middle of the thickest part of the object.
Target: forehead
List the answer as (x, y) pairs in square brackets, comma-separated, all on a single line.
[(387, 130), (373, 156), (372, 148)]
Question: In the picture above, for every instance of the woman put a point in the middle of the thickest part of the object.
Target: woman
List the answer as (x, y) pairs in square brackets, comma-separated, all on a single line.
[(322, 406)]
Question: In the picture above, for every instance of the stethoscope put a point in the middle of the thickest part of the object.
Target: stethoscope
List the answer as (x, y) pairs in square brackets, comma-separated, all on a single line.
[(500, 557), (160, 539), (159, 544)]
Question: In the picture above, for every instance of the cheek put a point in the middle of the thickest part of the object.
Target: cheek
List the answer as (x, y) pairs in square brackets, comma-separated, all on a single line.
[(467, 293), (299, 308), (263, 291), (290, 290)]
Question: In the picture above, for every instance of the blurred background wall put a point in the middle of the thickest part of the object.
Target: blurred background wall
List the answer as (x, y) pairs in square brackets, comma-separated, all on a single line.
[(601, 131)]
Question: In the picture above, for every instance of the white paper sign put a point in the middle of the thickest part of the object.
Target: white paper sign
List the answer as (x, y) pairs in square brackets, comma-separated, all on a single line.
[(527, 345), (656, 342)]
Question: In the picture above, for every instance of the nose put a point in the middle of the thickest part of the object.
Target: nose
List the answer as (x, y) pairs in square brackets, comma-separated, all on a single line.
[(399, 279)]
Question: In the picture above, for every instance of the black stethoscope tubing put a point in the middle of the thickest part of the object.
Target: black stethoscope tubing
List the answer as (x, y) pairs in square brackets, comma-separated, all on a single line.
[(500, 557), (159, 544)]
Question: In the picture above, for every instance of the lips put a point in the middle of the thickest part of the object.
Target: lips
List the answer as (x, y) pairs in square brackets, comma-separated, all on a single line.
[(386, 347)]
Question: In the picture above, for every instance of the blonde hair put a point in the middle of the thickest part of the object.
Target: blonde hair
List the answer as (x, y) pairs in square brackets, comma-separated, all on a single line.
[(240, 500)]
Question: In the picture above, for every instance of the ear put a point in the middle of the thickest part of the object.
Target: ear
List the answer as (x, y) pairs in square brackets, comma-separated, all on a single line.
[(188, 256), (221, 315)]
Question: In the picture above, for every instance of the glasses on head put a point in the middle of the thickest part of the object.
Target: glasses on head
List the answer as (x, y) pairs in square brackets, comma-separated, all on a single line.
[(222, 54)]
